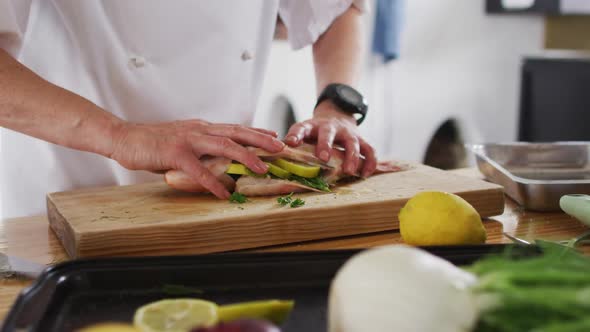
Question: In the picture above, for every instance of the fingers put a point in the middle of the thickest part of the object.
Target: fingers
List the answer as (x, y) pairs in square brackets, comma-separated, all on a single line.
[(297, 133), (370, 163), (260, 130), (352, 154), (247, 136), (224, 146), (326, 135), (193, 167), (265, 131)]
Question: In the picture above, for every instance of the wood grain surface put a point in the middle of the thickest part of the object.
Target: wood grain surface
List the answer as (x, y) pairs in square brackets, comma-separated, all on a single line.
[(31, 238), (152, 219)]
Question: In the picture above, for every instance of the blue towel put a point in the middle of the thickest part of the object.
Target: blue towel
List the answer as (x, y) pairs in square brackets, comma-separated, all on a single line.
[(388, 23)]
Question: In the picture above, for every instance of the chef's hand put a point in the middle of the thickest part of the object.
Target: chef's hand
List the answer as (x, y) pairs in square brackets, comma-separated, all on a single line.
[(329, 126), (179, 145)]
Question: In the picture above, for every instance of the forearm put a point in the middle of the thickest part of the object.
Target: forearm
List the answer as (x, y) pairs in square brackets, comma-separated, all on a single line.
[(35, 107), (337, 53)]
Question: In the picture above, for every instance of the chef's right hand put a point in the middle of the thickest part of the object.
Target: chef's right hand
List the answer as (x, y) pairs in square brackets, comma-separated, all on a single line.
[(179, 145)]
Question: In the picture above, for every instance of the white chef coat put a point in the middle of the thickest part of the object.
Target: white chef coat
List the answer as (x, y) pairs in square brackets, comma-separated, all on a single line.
[(144, 61)]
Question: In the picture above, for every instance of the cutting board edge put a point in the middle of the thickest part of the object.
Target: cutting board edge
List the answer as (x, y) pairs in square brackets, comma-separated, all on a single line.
[(62, 229), (298, 231), (385, 222), (496, 197)]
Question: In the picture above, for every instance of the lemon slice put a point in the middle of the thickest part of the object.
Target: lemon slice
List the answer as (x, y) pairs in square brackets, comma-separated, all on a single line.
[(275, 311), (177, 315), (109, 327), (305, 171), (277, 171), (238, 169)]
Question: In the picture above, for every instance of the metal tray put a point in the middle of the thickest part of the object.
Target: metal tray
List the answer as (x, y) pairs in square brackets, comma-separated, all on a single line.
[(536, 175), (78, 293)]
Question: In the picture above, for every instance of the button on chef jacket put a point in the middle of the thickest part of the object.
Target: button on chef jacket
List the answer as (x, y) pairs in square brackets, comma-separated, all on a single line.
[(144, 61)]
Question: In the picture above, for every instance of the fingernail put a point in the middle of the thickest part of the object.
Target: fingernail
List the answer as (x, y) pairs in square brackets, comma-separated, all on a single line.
[(261, 167), (324, 155), (292, 139), (279, 145)]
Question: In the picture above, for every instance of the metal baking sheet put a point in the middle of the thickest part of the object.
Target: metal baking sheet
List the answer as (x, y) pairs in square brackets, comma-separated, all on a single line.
[(536, 175), (75, 294)]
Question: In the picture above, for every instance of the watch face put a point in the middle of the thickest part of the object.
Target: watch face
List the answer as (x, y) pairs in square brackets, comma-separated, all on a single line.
[(350, 95)]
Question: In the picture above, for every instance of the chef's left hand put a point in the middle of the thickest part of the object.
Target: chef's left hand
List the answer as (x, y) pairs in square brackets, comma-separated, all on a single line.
[(329, 126)]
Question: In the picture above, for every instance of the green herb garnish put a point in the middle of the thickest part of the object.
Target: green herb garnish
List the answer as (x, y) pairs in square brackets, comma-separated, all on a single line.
[(285, 200), (288, 200), (317, 182), (297, 203), (236, 197)]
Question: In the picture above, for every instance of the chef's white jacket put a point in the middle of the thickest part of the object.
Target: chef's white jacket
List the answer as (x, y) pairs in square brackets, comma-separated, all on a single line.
[(144, 61)]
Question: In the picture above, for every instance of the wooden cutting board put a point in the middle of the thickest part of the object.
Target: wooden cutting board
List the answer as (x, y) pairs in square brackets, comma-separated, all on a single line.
[(152, 219)]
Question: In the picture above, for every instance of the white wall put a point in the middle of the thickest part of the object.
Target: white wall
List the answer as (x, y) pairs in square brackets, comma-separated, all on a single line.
[(456, 62)]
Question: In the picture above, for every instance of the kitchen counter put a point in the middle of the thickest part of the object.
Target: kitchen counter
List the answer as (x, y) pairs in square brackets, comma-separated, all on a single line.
[(32, 239)]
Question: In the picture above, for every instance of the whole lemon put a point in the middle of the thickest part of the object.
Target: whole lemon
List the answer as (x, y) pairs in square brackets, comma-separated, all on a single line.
[(440, 218)]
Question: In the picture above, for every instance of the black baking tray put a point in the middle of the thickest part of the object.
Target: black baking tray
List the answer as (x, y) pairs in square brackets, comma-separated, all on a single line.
[(74, 294)]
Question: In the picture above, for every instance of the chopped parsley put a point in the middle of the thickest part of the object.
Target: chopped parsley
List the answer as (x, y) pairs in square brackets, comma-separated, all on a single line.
[(297, 203), (288, 200), (285, 200), (236, 197), (317, 182)]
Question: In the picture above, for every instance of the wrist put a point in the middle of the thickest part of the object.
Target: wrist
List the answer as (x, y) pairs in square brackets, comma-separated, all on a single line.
[(345, 99), (327, 109), (116, 130)]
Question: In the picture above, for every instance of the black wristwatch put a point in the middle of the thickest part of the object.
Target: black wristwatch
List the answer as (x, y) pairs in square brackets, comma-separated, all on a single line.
[(347, 99)]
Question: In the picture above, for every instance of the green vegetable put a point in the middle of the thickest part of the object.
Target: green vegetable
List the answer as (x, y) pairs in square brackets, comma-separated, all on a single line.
[(285, 200), (297, 203), (501, 293), (236, 197), (288, 200), (317, 182), (546, 293)]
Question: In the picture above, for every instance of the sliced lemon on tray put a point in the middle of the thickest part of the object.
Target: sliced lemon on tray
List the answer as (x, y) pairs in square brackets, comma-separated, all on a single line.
[(109, 327), (275, 311), (176, 315)]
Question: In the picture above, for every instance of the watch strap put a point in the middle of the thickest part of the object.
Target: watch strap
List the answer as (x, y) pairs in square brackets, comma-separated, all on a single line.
[(330, 93)]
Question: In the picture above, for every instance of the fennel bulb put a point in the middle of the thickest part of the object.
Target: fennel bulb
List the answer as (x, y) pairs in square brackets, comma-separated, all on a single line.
[(401, 288)]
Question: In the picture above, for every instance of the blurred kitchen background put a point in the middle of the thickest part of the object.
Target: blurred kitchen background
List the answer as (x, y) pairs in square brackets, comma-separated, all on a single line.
[(441, 73)]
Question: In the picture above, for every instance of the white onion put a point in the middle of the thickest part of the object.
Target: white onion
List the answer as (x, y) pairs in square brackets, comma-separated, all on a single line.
[(401, 288)]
